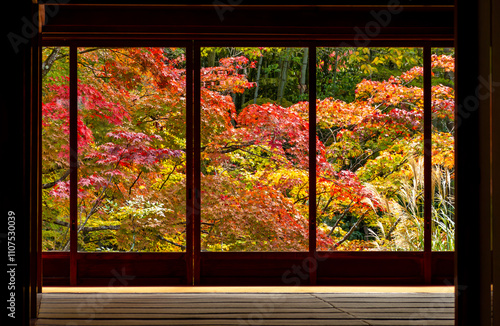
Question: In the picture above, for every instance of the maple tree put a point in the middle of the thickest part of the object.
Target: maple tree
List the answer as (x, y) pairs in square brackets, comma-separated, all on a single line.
[(254, 155)]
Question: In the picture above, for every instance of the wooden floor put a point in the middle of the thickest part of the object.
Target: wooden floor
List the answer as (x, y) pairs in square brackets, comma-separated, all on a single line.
[(286, 309)]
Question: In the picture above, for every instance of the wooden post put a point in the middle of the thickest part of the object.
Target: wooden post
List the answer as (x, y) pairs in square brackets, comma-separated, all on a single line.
[(19, 142), (38, 139), (472, 161), (312, 164), (189, 166), (197, 164), (427, 165), (73, 162), (494, 92)]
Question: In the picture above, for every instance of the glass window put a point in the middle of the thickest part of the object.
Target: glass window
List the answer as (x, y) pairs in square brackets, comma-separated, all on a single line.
[(443, 151), (131, 149), (55, 149), (254, 132), (370, 153), (254, 149)]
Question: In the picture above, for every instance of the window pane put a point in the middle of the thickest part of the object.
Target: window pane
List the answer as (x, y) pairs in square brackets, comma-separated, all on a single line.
[(254, 143), (131, 149), (370, 164), (55, 148), (443, 153)]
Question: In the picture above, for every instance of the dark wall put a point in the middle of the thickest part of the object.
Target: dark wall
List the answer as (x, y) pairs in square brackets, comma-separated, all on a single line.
[(18, 33)]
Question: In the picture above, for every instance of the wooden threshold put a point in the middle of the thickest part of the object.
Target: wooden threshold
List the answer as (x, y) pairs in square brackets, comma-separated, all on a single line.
[(254, 289)]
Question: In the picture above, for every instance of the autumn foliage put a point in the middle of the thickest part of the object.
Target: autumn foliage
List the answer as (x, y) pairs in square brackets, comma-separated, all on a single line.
[(254, 157)]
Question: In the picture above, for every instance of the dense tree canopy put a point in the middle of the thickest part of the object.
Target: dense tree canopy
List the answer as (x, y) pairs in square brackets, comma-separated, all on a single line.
[(254, 149)]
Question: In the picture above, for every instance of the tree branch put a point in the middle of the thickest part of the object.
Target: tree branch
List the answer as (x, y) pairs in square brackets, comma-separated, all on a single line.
[(354, 227), (232, 148), (171, 242), (393, 228), (340, 217), (53, 183), (403, 162), (86, 229), (47, 64), (168, 176), (133, 183)]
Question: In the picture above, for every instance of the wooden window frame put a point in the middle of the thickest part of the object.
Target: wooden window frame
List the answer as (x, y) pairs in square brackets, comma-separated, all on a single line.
[(239, 268)]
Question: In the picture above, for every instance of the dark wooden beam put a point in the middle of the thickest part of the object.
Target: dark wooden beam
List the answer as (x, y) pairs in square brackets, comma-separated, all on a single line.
[(358, 23), (278, 268), (255, 3)]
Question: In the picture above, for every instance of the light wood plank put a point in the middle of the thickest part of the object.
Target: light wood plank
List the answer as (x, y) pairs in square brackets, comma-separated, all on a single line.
[(208, 300), (410, 322), (286, 322), (450, 310), (177, 296), (405, 316), (197, 310), (368, 305), (190, 304), (174, 315)]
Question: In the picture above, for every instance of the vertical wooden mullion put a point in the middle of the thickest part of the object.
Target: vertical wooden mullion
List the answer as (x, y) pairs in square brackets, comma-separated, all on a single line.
[(427, 165), (73, 161), (196, 163), (495, 157), (312, 164), (34, 123), (189, 165), (38, 82)]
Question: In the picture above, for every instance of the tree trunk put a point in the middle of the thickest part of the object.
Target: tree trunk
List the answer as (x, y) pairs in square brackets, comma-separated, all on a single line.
[(334, 78), (303, 72), (242, 100), (47, 64), (256, 94), (284, 75), (211, 58)]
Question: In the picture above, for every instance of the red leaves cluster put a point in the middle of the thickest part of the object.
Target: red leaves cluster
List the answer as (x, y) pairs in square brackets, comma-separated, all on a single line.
[(281, 129), (389, 93), (131, 148), (445, 62), (393, 124), (227, 77), (332, 112)]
